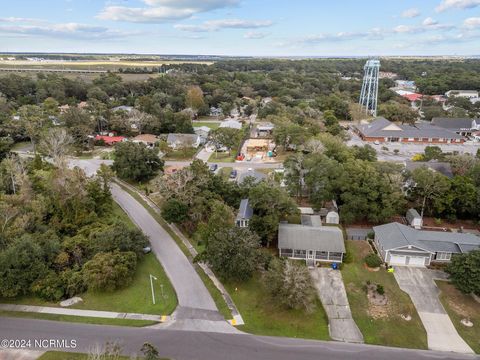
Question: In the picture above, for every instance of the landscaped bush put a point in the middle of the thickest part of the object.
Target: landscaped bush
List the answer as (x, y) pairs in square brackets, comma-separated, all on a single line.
[(370, 234), (372, 260), (380, 289)]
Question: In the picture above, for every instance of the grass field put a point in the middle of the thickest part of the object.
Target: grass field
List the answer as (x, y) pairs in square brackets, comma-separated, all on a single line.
[(460, 306), (222, 157), (211, 125), (135, 298), (77, 319), (380, 325), (183, 154), (263, 316)]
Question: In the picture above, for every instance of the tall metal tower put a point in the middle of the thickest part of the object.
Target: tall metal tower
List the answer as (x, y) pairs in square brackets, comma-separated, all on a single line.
[(369, 94)]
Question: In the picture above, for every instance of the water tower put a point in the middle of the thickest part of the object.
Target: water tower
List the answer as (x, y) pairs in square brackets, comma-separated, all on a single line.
[(369, 94)]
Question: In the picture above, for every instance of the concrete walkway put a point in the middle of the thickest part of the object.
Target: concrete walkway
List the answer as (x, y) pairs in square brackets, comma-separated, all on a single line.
[(203, 154), (419, 284), (331, 290), (83, 313)]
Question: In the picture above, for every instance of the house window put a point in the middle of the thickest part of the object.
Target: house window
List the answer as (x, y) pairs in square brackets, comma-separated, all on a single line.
[(443, 256), (429, 139), (302, 254), (286, 252)]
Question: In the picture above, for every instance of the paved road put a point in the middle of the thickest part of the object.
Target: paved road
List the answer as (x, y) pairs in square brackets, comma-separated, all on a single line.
[(90, 166), (191, 345), (196, 310), (419, 284), (331, 290)]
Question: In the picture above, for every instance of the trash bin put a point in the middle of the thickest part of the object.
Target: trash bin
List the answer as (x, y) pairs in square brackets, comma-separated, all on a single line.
[(334, 266)]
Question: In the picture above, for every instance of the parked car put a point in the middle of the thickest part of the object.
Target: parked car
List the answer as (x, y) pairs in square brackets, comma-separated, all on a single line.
[(213, 167), (376, 142), (233, 174)]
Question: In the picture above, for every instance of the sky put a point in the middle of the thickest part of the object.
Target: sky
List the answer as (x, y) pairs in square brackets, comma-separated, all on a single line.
[(243, 27)]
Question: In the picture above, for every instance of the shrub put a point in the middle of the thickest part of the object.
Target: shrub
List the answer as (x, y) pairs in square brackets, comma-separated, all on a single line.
[(109, 271), (49, 288), (396, 151), (372, 260), (380, 289), (174, 211), (371, 234)]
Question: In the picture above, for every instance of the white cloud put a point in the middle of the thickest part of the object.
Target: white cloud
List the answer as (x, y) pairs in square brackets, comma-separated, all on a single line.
[(472, 23), (255, 35), (215, 25), (459, 4), (429, 22), (163, 10), (65, 30), (411, 13)]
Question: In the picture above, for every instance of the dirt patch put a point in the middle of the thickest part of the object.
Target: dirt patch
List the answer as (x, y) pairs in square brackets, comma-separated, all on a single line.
[(361, 248), (377, 303)]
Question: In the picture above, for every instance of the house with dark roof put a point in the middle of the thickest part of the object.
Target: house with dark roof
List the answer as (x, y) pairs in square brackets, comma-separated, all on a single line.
[(441, 167), (250, 173), (400, 244), (383, 130), (461, 126), (310, 242), (245, 213)]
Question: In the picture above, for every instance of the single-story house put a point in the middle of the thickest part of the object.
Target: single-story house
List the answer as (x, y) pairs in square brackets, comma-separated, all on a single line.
[(462, 93), (462, 126), (311, 243), (414, 219), (245, 213), (264, 129), (202, 131), (443, 168), (250, 173), (215, 111), (125, 108), (110, 140), (412, 97), (180, 141), (232, 124), (383, 130), (400, 244), (147, 139)]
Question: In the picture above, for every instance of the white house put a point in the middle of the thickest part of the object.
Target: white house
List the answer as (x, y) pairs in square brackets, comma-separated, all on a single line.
[(181, 141), (332, 218), (469, 94), (232, 124), (414, 219)]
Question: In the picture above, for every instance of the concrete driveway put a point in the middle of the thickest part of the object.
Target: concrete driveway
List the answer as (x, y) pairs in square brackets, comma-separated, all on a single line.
[(331, 290), (419, 284)]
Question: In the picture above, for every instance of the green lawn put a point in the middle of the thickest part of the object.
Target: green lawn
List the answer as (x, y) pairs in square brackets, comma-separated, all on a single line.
[(263, 316), (22, 145), (380, 325), (225, 172), (77, 319), (212, 126), (222, 157), (460, 306), (183, 154), (136, 298)]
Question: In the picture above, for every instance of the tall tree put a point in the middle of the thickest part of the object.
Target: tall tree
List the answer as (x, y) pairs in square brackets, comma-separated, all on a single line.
[(136, 162)]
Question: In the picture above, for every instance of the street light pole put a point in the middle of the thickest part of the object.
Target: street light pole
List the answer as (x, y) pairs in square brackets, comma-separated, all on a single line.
[(151, 286)]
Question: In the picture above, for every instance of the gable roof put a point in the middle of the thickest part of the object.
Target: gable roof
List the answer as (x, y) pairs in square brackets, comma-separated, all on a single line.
[(326, 238), (381, 127), (453, 123), (395, 235), (184, 139), (245, 211), (443, 168), (233, 124), (149, 138)]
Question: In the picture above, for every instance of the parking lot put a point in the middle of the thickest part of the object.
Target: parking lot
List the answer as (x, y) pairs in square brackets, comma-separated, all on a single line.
[(406, 151)]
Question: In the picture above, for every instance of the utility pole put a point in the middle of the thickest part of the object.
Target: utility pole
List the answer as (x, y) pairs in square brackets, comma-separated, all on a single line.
[(151, 286)]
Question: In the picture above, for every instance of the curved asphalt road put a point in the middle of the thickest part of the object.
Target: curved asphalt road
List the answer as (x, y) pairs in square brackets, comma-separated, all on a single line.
[(190, 345)]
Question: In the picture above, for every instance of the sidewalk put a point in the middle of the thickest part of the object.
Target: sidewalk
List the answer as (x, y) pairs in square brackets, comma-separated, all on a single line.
[(83, 313)]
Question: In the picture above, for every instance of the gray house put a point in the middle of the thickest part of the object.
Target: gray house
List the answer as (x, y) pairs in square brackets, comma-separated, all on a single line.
[(182, 141), (399, 244), (311, 243), (245, 213), (462, 126)]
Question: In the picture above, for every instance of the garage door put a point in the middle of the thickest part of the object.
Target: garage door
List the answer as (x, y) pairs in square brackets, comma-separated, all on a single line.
[(416, 261), (398, 260)]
